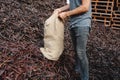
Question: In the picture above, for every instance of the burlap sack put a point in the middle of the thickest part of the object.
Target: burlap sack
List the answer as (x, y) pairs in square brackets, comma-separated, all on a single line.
[(53, 38)]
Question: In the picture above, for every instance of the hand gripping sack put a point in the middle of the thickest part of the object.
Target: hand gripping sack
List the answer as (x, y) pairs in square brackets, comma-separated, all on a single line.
[(53, 38)]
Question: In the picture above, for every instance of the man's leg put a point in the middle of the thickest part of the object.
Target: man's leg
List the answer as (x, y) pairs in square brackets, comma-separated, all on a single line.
[(77, 63), (81, 34)]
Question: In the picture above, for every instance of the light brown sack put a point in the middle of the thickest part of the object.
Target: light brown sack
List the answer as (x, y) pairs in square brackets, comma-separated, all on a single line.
[(53, 38)]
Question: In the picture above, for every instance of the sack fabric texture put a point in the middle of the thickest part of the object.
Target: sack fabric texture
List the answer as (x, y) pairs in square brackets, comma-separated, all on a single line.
[(53, 38)]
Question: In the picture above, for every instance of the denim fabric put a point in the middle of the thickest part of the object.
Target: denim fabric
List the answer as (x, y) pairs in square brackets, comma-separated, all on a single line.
[(79, 37)]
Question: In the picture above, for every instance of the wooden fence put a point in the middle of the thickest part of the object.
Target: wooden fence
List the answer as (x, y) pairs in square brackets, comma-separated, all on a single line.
[(106, 12)]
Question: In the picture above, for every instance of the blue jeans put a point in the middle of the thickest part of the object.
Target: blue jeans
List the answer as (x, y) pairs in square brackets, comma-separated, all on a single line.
[(79, 37)]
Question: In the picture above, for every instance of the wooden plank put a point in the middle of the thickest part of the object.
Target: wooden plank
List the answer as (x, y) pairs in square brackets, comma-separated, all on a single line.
[(116, 14), (102, 18), (106, 23), (101, 3), (114, 26), (104, 0), (104, 7), (116, 22), (102, 15), (116, 19), (118, 3), (102, 11)]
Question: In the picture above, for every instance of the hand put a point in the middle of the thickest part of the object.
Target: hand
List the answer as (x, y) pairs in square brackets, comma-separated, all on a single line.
[(57, 10), (63, 15)]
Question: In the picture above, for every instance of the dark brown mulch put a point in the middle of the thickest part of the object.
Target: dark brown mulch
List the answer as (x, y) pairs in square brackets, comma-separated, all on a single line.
[(21, 36), (104, 53)]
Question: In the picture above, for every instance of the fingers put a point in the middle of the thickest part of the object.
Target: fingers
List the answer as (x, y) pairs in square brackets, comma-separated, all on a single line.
[(63, 16), (57, 11)]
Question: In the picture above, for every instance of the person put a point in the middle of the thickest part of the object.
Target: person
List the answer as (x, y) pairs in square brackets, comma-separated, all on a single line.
[(79, 12)]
